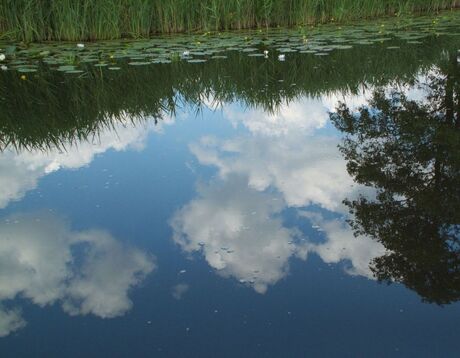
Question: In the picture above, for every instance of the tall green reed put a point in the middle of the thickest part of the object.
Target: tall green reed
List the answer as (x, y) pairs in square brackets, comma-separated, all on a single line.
[(40, 20)]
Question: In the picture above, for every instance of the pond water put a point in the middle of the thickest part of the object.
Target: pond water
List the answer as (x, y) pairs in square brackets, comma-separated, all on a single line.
[(197, 197)]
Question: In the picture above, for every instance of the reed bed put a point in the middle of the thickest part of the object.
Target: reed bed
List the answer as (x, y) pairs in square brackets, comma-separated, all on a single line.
[(82, 20)]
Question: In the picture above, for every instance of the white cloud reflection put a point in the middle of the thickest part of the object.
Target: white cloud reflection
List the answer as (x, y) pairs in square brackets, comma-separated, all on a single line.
[(86, 272), (305, 170), (341, 245), (238, 231), (20, 172), (289, 119), (10, 321), (179, 290), (236, 219)]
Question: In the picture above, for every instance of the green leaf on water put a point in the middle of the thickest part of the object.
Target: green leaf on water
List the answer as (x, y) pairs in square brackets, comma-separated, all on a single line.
[(26, 70), (138, 63), (66, 68), (196, 60)]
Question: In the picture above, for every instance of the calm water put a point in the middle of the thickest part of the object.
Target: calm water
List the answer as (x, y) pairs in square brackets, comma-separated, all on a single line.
[(239, 207)]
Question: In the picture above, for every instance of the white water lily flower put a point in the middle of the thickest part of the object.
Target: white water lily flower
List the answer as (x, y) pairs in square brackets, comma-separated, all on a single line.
[(2, 57), (80, 45), (281, 57), (186, 53), (266, 52), (4, 68)]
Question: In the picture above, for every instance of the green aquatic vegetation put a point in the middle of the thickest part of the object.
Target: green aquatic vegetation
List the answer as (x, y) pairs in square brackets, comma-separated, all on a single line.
[(61, 103), (198, 48), (196, 61), (77, 90), (81, 20)]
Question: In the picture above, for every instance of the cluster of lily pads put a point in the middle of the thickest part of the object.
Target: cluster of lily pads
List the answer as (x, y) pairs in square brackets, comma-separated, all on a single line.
[(73, 58)]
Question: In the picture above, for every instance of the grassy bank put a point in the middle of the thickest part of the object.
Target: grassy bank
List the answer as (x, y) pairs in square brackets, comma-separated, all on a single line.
[(40, 20)]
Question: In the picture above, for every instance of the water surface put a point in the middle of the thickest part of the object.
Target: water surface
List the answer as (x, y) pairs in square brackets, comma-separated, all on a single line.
[(236, 206)]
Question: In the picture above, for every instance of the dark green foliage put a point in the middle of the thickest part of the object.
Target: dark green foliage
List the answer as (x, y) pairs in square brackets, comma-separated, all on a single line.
[(410, 153)]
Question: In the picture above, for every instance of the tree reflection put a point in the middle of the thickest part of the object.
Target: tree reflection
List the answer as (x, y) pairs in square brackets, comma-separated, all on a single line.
[(409, 151)]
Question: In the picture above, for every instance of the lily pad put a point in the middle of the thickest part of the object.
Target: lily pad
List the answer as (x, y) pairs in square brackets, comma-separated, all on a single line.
[(196, 60), (138, 63), (66, 68), (26, 70), (74, 71)]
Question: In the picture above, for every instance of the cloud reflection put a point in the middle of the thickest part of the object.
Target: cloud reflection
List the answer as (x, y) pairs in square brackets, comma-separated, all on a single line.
[(288, 119), (10, 321), (341, 245), (86, 272), (179, 290), (20, 172), (305, 170), (236, 220), (239, 232)]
